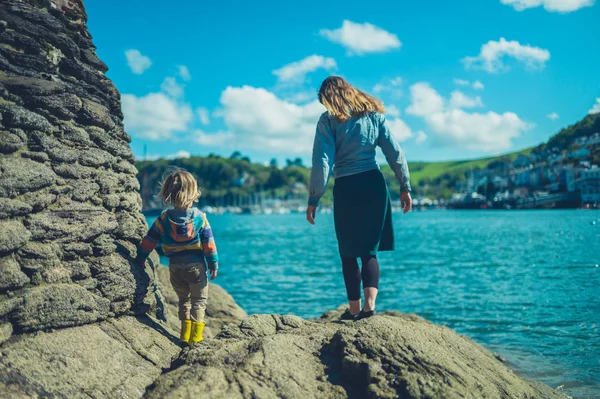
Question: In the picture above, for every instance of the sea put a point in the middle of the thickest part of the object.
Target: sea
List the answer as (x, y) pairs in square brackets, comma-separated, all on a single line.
[(524, 284)]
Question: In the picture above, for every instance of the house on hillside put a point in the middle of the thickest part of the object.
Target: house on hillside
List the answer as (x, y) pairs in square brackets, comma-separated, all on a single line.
[(522, 161), (555, 158), (522, 178), (580, 153), (594, 139), (588, 183)]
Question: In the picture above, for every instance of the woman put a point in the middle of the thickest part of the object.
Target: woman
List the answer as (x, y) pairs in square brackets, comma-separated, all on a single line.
[(347, 137)]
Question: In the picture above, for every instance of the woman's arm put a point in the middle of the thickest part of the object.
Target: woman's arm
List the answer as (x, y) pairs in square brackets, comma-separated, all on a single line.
[(322, 161), (394, 155)]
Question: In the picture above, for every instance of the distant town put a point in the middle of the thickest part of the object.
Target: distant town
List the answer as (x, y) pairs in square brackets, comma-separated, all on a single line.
[(563, 173), (549, 179)]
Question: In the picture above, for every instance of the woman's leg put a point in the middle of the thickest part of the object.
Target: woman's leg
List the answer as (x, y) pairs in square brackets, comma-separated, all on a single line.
[(352, 280), (370, 279)]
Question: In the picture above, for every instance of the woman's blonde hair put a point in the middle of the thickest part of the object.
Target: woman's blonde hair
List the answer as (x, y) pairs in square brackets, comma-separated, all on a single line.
[(180, 189), (344, 101)]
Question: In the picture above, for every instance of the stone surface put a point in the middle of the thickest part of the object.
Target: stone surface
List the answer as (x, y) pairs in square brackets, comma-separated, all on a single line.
[(13, 235), (58, 305), (271, 356), (117, 358), (63, 152)]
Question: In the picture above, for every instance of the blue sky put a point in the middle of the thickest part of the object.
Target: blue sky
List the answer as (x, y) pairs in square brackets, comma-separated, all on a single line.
[(460, 79)]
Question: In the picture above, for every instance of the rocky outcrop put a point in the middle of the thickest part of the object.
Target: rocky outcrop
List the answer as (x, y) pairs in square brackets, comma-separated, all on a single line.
[(76, 315), (270, 356), (117, 358), (69, 206)]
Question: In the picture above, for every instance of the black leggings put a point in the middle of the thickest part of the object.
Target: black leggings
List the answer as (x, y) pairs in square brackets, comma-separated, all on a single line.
[(352, 275)]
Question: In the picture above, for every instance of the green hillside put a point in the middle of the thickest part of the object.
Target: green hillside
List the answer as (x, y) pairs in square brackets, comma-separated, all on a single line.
[(229, 178)]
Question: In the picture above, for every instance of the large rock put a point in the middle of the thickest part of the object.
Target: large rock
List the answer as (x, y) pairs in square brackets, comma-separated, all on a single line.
[(69, 202), (118, 358), (270, 356)]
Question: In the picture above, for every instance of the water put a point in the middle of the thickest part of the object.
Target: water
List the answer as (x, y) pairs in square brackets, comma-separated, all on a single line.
[(524, 284)]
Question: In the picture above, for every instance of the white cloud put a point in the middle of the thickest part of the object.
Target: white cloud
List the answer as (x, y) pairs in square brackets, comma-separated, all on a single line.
[(300, 97), (392, 111), (203, 115), (155, 116), (177, 155), (454, 127), (296, 71), (554, 116), (477, 85), (425, 100), (256, 118), (137, 62), (595, 108), (400, 129), (184, 73), (421, 137), (562, 6), (213, 139), (492, 54), (172, 88), (460, 100), (461, 82), (390, 86), (360, 39)]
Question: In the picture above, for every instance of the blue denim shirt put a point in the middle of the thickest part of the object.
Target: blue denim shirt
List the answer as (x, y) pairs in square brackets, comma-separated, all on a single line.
[(349, 147)]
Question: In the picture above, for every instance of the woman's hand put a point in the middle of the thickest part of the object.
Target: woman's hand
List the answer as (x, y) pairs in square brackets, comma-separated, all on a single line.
[(311, 212), (406, 201), (213, 274)]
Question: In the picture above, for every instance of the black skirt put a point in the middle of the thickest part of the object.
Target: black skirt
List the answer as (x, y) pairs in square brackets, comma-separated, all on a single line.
[(362, 212)]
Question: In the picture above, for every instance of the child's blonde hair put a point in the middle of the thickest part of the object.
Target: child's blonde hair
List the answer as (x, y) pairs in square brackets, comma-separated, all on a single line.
[(344, 101), (180, 189)]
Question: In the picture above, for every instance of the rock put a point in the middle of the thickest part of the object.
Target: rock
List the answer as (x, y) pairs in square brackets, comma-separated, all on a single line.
[(62, 151), (103, 245), (11, 208), (21, 175), (96, 114), (6, 331), (14, 235), (118, 358), (69, 224), (11, 276), (10, 142), (40, 199), (83, 190), (19, 117), (272, 356), (59, 305)]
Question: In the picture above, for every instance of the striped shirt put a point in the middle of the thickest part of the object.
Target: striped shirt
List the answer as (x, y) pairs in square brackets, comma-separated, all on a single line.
[(186, 237)]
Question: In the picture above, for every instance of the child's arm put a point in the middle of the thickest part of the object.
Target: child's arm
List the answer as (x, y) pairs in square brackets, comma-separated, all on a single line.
[(209, 247), (149, 242)]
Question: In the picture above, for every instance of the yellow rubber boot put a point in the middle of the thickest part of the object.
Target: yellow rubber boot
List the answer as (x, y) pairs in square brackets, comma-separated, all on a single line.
[(186, 331), (197, 328)]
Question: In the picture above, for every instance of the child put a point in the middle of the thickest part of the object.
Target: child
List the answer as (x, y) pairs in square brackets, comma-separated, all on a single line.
[(189, 244)]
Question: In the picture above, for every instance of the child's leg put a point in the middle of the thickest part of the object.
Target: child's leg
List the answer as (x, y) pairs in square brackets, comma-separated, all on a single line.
[(352, 280), (199, 293), (182, 289), (370, 279)]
